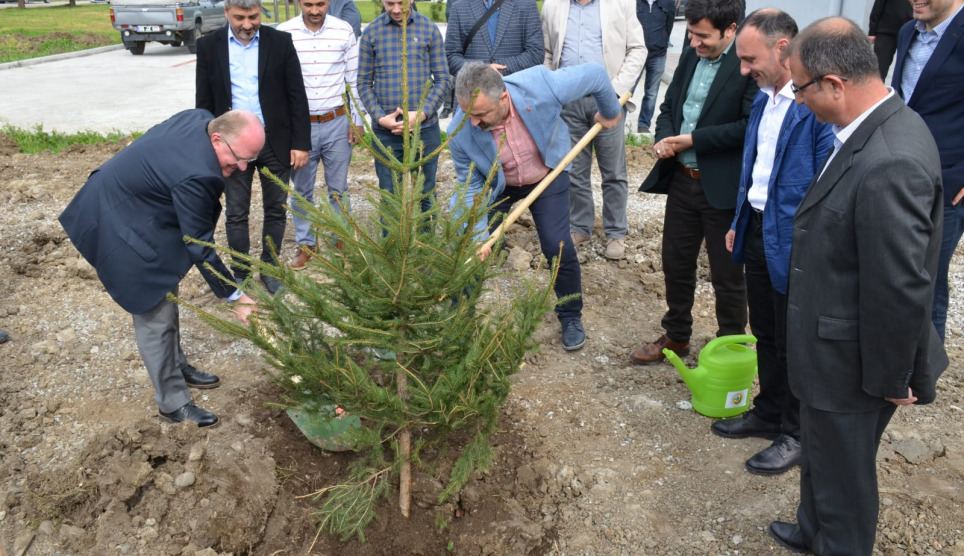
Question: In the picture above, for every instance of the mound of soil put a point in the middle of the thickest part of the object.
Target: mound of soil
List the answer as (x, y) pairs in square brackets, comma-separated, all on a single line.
[(596, 456)]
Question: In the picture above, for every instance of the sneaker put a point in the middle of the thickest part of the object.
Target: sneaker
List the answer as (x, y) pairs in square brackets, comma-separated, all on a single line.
[(642, 130), (578, 238), (615, 249), (573, 335)]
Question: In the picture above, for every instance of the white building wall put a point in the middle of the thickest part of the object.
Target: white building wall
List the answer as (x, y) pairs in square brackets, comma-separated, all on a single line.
[(808, 11)]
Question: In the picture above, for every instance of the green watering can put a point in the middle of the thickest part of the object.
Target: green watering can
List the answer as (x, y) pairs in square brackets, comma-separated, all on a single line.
[(721, 382)]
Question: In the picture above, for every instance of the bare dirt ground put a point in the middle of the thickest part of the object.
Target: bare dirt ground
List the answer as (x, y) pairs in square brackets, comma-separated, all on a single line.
[(597, 456)]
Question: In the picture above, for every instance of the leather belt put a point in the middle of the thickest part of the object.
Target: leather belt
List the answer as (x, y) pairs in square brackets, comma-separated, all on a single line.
[(695, 174), (329, 116)]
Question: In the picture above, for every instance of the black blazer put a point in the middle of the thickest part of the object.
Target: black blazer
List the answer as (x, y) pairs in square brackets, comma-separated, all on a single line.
[(939, 98), (130, 218), (281, 89), (718, 137)]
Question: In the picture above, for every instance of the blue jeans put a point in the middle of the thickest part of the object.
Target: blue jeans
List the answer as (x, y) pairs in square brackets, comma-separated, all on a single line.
[(550, 212), (430, 139), (329, 144), (653, 70), (953, 228)]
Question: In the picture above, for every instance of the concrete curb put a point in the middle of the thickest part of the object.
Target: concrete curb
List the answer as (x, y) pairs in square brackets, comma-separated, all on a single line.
[(64, 56)]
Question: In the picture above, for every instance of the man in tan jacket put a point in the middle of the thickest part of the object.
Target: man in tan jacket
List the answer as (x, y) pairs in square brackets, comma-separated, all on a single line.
[(610, 35)]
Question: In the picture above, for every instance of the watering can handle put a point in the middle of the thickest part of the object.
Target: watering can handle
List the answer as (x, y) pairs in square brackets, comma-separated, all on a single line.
[(717, 343)]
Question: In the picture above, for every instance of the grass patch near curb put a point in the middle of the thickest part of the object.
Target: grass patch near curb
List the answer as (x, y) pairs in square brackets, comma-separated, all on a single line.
[(45, 31), (38, 140)]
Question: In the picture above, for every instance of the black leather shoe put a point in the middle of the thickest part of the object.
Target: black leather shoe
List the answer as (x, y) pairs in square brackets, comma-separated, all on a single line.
[(200, 379), (745, 426), (789, 536), (271, 284), (573, 335), (190, 412), (784, 453)]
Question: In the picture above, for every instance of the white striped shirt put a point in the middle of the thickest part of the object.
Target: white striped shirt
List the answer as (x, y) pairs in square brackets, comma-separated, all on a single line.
[(329, 59)]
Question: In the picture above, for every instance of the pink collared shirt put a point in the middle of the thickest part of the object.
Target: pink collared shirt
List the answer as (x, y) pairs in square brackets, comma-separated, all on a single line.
[(521, 160)]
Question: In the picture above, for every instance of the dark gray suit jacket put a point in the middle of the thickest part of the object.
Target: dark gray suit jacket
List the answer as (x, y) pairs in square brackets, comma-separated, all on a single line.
[(518, 37), (865, 244), (130, 218)]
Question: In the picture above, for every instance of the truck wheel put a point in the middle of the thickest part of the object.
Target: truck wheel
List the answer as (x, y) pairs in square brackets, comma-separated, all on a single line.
[(176, 43), (136, 48), (192, 42)]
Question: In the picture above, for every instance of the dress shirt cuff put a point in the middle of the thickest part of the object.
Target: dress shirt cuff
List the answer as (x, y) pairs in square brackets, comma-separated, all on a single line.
[(236, 295)]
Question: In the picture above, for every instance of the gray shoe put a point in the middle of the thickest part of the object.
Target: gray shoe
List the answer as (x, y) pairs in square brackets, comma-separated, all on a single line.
[(615, 249)]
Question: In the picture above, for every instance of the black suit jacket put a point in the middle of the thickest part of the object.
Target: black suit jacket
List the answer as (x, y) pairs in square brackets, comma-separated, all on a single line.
[(866, 237), (939, 98), (130, 219), (281, 89), (718, 137)]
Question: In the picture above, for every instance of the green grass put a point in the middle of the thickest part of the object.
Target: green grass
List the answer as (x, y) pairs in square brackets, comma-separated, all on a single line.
[(634, 140), (38, 140), (44, 31)]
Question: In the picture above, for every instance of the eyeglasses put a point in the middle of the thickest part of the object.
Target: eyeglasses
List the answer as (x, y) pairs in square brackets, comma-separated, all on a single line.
[(236, 157), (794, 89)]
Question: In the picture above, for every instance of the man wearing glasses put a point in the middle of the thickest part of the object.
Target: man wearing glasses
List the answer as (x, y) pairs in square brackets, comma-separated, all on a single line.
[(866, 238), (129, 221)]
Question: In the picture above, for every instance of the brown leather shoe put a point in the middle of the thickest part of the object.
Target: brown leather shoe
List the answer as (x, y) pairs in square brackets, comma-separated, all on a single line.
[(653, 353), (301, 257)]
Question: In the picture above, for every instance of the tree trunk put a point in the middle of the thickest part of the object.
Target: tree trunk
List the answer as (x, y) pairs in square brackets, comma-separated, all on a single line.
[(405, 452), (405, 474)]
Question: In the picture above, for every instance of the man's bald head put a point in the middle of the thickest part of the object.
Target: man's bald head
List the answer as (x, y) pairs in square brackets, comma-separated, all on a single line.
[(237, 137), (836, 46)]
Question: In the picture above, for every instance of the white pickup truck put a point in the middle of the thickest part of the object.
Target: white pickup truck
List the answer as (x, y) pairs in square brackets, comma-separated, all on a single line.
[(166, 21)]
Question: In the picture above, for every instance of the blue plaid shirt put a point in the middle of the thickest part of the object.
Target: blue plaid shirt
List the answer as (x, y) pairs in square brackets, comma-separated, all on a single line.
[(380, 66)]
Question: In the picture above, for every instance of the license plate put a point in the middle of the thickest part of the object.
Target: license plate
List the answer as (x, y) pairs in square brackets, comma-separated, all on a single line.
[(148, 28)]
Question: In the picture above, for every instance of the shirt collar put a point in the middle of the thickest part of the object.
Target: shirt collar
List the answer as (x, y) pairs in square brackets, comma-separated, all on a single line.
[(304, 27), (722, 54), (939, 30), (786, 91), (844, 133), (389, 20), (255, 40)]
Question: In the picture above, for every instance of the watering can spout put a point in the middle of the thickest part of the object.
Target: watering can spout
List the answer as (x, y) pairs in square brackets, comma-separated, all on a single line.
[(689, 375)]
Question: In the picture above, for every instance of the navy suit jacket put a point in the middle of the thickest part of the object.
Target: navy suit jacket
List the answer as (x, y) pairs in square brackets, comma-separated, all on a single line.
[(518, 36), (130, 219), (802, 148), (939, 98), (284, 103)]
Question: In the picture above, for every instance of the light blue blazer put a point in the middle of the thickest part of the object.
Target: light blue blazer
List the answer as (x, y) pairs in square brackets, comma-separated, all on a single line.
[(538, 95)]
